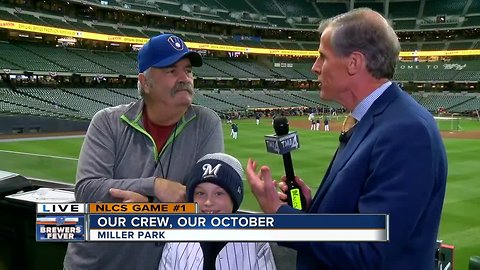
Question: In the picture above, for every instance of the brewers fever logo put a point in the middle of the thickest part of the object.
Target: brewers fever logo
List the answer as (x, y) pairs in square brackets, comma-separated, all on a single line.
[(67, 228)]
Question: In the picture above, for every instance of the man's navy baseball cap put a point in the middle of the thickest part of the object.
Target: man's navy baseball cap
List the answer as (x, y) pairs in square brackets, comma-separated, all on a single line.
[(165, 50)]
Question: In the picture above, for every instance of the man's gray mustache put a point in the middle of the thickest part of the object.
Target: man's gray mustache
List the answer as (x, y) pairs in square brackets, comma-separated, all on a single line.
[(183, 86)]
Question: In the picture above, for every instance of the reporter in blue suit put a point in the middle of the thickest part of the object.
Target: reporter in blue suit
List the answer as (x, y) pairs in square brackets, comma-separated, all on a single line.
[(392, 161)]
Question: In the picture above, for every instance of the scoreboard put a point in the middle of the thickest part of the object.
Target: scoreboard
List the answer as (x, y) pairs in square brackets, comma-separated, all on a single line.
[(182, 222)]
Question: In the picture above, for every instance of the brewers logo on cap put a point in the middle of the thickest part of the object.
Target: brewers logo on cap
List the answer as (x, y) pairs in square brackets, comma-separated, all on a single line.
[(209, 170), (165, 50), (176, 42)]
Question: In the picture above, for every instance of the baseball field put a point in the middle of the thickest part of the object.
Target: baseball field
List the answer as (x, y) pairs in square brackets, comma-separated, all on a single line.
[(56, 159)]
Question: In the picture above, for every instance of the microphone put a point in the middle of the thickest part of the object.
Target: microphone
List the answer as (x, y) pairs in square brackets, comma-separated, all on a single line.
[(282, 143), (343, 138)]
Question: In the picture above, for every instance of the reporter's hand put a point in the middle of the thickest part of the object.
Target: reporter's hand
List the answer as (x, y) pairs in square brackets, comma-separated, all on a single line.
[(127, 196), (307, 192), (169, 191), (263, 187)]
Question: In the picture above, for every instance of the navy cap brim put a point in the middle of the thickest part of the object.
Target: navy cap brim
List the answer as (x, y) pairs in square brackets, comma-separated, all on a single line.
[(195, 59)]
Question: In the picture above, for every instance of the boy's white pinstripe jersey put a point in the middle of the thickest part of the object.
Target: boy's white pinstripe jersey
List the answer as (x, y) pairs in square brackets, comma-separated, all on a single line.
[(234, 256)]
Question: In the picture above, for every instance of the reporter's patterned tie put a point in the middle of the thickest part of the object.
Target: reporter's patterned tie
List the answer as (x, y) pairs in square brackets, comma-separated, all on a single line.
[(348, 123)]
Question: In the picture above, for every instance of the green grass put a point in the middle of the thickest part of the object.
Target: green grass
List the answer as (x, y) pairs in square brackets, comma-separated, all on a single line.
[(458, 124), (460, 224), (467, 124), (38, 166)]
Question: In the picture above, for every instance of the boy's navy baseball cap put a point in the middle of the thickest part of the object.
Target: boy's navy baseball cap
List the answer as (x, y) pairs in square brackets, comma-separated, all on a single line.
[(165, 50), (222, 170)]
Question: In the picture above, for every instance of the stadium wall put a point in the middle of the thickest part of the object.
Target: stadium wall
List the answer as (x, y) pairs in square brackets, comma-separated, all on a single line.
[(17, 124)]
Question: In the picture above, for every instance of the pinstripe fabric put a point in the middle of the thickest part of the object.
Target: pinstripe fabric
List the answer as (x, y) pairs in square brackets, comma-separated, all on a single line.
[(234, 256)]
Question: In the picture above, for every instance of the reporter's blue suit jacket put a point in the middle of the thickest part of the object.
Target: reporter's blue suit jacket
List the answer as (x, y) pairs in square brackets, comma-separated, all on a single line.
[(394, 163)]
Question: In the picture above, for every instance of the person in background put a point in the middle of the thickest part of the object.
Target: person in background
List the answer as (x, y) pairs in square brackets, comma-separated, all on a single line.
[(234, 132), (325, 123), (390, 159), (147, 147), (311, 116)]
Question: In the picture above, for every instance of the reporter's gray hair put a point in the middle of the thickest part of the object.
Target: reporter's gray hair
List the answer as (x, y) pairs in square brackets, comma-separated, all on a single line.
[(146, 73), (357, 31)]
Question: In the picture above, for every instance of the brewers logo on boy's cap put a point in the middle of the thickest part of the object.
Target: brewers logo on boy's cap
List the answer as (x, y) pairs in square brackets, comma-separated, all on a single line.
[(219, 169), (165, 50)]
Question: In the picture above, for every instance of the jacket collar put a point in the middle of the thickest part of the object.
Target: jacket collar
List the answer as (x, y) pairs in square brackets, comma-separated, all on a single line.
[(134, 113)]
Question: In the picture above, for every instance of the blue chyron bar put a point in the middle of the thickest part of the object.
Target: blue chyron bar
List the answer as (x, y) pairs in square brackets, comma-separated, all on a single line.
[(80, 222)]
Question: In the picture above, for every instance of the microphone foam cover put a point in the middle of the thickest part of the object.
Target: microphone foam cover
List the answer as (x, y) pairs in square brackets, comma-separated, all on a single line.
[(280, 124)]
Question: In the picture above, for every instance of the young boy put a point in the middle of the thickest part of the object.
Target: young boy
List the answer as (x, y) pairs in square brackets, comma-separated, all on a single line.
[(215, 183)]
